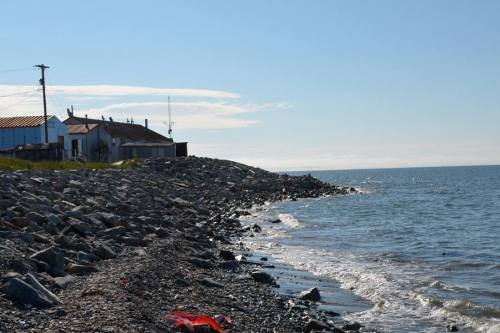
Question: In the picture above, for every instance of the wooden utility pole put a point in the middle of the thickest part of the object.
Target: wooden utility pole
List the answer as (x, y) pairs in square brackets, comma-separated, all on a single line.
[(42, 67)]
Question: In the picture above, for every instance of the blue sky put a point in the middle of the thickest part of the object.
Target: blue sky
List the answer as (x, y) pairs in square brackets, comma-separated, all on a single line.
[(284, 85)]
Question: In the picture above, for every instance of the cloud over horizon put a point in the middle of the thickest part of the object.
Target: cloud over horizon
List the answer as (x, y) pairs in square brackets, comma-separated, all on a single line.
[(192, 108)]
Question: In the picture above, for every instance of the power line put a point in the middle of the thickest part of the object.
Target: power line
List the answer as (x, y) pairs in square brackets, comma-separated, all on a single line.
[(20, 93), (15, 70), (19, 102)]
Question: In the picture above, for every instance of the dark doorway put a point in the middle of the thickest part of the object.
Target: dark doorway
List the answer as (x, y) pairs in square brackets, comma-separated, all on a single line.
[(74, 148)]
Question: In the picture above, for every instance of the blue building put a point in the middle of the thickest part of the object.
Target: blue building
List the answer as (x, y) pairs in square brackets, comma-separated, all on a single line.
[(15, 131)]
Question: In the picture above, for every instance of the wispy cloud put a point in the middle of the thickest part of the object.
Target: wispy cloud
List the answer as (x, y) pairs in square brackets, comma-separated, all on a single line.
[(193, 108), (109, 90)]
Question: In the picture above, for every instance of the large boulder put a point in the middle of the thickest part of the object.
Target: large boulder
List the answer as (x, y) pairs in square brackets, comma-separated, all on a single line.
[(263, 277), (54, 258), (311, 295), (22, 293), (104, 252)]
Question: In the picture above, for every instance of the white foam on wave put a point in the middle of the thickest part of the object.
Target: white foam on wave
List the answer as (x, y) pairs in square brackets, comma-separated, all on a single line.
[(397, 307), (290, 221)]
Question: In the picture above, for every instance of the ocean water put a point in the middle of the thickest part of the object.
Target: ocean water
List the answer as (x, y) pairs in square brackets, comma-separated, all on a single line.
[(421, 245)]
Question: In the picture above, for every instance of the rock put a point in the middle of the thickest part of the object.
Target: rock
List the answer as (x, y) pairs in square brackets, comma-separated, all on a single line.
[(262, 277), (109, 219), (83, 258), (26, 237), (201, 263), (9, 276), (54, 219), (161, 232), (181, 283), (54, 258), (355, 327), (81, 269), (79, 227), (331, 313), (30, 279), (311, 295), (63, 281), (178, 202), (40, 238), (256, 227), (226, 255), (316, 325), (211, 283), (115, 231), (23, 293), (229, 264), (33, 216), (135, 241), (451, 328), (52, 228), (104, 252)]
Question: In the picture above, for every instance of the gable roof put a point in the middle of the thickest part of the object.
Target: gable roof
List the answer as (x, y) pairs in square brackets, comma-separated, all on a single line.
[(81, 128), (131, 132), (22, 122)]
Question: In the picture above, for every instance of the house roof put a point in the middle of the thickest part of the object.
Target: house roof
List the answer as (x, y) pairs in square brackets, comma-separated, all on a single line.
[(81, 128), (20, 122), (131, 132)]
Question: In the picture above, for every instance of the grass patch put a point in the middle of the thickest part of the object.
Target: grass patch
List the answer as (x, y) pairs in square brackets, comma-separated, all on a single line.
[(15, 164)]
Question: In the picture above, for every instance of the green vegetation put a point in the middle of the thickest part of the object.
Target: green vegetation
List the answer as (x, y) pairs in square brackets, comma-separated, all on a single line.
[(15, 164)]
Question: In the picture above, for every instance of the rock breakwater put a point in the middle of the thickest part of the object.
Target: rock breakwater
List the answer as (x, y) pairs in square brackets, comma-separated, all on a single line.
[(115, 250)]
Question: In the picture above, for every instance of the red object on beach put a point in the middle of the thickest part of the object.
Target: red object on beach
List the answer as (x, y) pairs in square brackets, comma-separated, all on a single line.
[(190, 322)]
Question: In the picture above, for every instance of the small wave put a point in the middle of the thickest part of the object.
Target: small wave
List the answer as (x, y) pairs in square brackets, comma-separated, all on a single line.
[(289, 220), (471, 309), (393, 299)]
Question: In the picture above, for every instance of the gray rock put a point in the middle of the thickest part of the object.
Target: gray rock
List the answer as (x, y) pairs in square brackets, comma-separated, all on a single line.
[(31, 280), (52, 228), (63, 281), (26, 237), (355, 327), (201, 263), (33, 216), (311, 295), (81, 269), (104, 252), (263, 277), (316, 325), (115, 231), (23, 293), (9, 276), (83, 258), (226, 255), (53, 257), (79, 227), (211, 283), (54, 219), (135, 241), (40, 238), (256, 227), (229, 264), (161, 232)]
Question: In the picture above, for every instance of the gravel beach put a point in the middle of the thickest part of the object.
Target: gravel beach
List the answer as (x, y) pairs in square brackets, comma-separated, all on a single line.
[(117, 250)]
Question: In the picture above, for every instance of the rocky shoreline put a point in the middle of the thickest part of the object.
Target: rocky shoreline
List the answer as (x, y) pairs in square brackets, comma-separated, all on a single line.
[(117, 250)]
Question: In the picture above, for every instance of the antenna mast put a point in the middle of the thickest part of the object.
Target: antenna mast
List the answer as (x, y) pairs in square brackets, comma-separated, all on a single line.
[(169, 119)]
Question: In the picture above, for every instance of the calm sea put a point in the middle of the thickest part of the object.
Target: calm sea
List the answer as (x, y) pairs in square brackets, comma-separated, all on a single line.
[(421, 245)]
